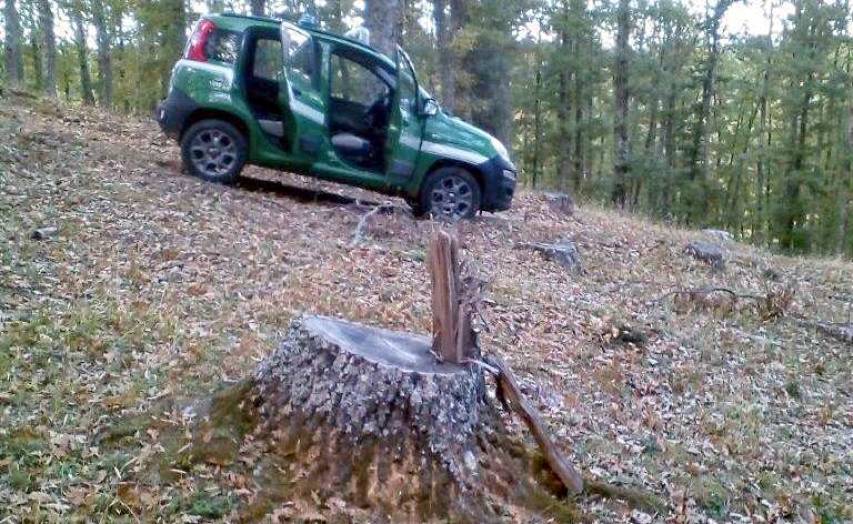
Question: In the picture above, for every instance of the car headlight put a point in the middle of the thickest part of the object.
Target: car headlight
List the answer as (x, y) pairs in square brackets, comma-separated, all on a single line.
[(500, 148)]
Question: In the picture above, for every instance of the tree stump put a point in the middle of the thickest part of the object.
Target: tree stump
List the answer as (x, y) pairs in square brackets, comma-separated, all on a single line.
[(373, 412), (400, 424)]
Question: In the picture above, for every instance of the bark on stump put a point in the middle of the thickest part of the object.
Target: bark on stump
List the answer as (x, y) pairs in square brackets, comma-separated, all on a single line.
[(373, 412)]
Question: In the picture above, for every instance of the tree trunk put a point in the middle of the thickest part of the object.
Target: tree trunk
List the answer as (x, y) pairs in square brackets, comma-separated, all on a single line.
[(443, 40), (48, 46), (384, 19), (537, 114), (620, 130), (258, 7), (459, 88), (699, 172), (14, 58), (846, 193), (578, 88), (759, 223), (35, 49), (82, 57), (105, 65)]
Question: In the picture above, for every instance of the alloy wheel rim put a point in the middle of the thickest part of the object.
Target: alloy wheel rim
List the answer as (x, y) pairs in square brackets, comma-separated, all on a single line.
[(213, 152), (452, 198)]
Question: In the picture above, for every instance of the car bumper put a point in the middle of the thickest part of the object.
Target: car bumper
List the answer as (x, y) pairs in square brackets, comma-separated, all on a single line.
[(173, 111), (499, 184)]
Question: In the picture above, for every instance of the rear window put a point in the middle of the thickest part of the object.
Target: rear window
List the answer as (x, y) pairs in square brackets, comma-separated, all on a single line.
[(223, 46)]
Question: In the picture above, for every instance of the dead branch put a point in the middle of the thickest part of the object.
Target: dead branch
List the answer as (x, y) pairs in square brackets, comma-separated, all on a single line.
[(842, 331), (634, 497), (707, 291), (358, 235), (511, 395)]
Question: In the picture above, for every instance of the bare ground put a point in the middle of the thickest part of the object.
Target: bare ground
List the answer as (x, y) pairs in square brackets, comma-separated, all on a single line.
[(157, 288)]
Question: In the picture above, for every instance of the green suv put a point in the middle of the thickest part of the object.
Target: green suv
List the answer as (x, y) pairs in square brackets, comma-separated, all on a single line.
[(279, 95)]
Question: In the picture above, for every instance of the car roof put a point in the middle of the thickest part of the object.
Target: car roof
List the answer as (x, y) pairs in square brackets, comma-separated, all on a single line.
[(244, 21)]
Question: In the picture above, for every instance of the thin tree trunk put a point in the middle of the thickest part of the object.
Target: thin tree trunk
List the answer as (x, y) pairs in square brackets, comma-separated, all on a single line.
[(446, 71), (699, 172), (49, 46), (668, 151), (564, 167), (620, 130), (384, 19), (846, 193), (537, 121), (759, 222), (105, 64), (459, 91), (14, 58), (36, 52), (82, 57), (258, 7)]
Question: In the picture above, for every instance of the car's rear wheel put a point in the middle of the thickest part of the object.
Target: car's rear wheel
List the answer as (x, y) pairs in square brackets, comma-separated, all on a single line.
[(214, 150), (450, 193)]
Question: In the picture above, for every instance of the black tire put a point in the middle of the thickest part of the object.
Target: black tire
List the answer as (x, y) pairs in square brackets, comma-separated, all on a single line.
[(214, 150), (450, 193)]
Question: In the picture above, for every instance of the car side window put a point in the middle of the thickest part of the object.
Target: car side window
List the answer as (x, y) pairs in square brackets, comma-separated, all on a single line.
[(407, 84), (268, 58), (301, 59), (408, 91), (354, 82)]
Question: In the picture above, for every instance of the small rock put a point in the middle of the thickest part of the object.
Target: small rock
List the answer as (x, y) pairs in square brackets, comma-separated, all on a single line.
[(561, 203), (639, 517), (44, 233), (470, 461), (719, 235), (563, 252), (706, 252)]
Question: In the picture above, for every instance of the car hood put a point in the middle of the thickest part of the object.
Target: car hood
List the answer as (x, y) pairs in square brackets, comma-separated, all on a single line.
[(447, 129)]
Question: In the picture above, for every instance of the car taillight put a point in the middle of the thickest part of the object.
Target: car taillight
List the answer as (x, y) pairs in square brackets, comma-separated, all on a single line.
[(196, 50)]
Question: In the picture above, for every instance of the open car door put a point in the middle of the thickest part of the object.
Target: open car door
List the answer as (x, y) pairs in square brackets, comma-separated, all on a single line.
[(303, 107), (405, 127)]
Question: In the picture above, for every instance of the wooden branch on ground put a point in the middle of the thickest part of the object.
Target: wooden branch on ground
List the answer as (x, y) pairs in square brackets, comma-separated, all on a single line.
[(708, 291), (358, 235), (635, 498), (510, 394), (842, 331)]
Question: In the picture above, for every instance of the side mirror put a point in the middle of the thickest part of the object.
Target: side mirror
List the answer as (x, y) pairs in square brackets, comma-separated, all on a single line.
[(430, 107)]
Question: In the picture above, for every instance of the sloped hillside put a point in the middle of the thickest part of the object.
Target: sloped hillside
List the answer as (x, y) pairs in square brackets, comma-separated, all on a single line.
[(154, 289)]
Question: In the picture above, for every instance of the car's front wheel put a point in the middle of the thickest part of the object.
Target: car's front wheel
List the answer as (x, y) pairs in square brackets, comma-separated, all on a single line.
[(214, 150), (450, 193)]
